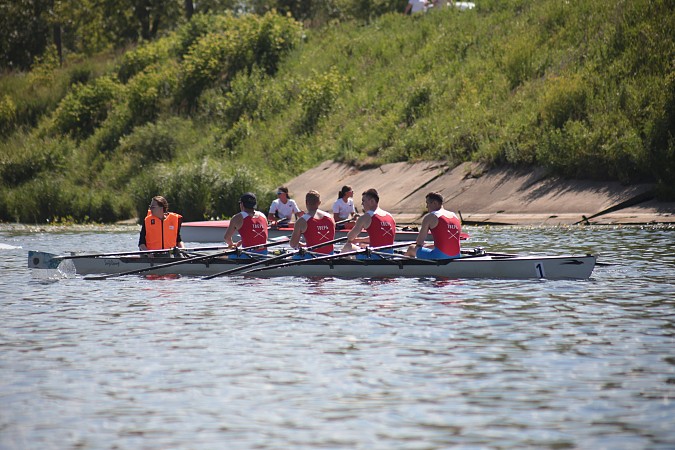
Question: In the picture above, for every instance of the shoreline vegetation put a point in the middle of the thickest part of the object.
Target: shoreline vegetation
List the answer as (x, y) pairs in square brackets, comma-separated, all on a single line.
[(222, 104)]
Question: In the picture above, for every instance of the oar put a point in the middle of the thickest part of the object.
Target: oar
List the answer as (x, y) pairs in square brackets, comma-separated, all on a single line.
[(411, 258), (140, 252), (101, 255), (336, 224), (186, 260), (276, 258), (329, 257)]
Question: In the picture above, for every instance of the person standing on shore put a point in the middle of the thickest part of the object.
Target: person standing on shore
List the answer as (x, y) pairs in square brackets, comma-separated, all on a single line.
[(251, 225), (161, 228), (315, 225), (444, 226), (379, 224)]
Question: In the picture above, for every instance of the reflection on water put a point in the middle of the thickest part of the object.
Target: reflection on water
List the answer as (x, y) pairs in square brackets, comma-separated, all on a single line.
[(171, 362)]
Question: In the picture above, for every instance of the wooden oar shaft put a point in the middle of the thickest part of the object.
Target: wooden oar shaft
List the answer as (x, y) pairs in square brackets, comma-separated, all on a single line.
[(184, 261)]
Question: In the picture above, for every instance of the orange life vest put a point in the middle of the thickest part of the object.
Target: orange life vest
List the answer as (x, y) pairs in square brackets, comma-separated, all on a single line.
[(161, 234)]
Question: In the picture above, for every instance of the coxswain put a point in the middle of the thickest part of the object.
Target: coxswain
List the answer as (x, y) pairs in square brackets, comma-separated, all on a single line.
[(161, 228), (282, 209)]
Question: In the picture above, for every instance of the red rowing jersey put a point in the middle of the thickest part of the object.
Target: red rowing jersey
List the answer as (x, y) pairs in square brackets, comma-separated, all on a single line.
[(446, 233), (318, 231), (382, 229), (253, 230)]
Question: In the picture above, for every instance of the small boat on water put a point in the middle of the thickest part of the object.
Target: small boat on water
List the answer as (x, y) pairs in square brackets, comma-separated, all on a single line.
[(478, 264), (214, 231)]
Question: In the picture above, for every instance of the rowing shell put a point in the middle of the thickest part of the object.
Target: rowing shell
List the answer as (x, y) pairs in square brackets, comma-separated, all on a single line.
[(214, 231), (481, 266)]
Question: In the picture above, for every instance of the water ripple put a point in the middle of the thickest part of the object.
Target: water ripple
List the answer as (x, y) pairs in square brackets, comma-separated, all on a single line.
[(327, 363)]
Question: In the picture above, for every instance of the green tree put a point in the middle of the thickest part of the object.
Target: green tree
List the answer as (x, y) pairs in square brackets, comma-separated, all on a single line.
[(25, 31)]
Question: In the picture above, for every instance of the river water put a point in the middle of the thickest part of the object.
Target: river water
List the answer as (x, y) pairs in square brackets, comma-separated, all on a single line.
[(238, 363)]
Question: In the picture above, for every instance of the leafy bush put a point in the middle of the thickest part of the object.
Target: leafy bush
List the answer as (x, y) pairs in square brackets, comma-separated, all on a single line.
[(151, 142), (228, 142), (137, 60), (54, 199), (319, 94), (196, 191), (248, 41), (7, 114), (246, 92), (106, 138), (149, 90), (24, 157), (86, 107), (367, 11), (563, 99), (417, 105), (523, 60), (198, 26)]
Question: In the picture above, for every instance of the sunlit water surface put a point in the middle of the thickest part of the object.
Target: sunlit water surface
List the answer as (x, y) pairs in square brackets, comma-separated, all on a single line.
[(298, 363)]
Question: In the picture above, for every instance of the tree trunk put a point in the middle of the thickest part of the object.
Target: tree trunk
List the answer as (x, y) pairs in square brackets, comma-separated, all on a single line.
[(189, 9), (58, 42), (142, 11)]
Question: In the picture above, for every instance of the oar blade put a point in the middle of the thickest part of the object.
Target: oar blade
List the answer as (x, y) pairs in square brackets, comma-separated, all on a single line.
[(42, 260)]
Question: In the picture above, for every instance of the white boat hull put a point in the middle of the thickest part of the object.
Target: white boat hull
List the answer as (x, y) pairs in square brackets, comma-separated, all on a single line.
[(214, 231), (487, 266)]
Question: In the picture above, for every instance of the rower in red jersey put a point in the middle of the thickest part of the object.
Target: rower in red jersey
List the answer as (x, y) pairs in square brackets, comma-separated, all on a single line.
[(379, 224), (251, 225), (315, 225), (444, 226)]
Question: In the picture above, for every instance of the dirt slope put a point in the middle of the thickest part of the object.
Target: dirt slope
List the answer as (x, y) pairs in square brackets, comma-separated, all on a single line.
[(495, 196)]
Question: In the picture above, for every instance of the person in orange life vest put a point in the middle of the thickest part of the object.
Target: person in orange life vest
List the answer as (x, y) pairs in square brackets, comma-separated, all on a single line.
[(161, 228), (444, 226), (251, 225), (379, 224), (316, 225)]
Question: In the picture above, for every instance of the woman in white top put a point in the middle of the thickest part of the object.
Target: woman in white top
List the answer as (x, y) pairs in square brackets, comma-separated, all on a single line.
[(283, 208), (343, 208)]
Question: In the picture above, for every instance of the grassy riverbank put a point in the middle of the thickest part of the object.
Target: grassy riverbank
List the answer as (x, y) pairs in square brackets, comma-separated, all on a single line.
[(223, 104)]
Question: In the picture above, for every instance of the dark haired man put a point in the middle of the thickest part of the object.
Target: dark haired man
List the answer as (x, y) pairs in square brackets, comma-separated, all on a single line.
[(379, 224), (316, 225), (444, 226), (251, 225)]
